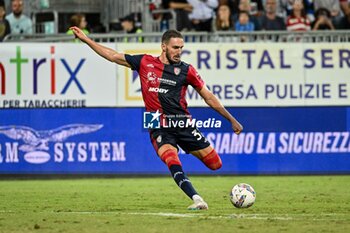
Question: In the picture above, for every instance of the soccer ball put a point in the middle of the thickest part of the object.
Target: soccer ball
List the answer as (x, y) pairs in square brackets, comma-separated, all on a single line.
[(242, 195)]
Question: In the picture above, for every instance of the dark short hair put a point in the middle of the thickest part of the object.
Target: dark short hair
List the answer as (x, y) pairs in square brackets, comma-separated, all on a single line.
[(171, 34), (322, 11), (244, 12)]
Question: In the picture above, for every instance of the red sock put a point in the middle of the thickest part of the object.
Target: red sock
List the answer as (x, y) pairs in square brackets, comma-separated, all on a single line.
[(170, 157), (212, 160)]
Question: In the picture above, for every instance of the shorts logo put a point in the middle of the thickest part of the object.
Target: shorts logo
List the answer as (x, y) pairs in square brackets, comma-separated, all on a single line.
[(159, 139), (177, 70), (151, 120)]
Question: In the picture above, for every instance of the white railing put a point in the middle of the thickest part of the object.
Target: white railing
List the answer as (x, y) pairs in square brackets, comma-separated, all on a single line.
[(224, 37)]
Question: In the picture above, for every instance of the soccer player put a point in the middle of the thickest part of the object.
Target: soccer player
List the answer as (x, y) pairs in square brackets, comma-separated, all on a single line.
[(164, 81)]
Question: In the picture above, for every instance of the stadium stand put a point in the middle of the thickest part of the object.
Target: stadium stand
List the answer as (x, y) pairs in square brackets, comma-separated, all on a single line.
[(257, 36), (51, 20)]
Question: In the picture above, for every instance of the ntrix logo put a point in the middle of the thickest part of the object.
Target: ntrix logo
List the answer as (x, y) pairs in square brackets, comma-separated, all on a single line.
[(18, 61)]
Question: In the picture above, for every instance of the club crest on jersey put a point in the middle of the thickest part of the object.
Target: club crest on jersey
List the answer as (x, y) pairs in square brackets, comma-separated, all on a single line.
[(152, 77), (177, 70)]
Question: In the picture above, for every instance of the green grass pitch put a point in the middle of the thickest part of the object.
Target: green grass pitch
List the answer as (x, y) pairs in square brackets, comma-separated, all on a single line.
[(155, 204)]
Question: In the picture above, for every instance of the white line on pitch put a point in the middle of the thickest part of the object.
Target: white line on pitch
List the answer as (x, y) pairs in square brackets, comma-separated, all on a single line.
[(235, 216), (231, 216), (261, 216)]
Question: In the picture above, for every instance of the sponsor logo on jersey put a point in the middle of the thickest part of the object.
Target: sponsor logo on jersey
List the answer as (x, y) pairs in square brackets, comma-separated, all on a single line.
[(158, 90), (167, 81)]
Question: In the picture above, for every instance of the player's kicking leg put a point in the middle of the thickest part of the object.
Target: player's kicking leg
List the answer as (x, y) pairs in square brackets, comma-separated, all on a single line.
[(209, 157), (212, 160), (169, 155)]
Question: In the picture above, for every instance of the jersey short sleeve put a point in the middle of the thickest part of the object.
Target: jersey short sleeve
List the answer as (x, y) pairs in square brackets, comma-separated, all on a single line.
[(134, 61), (194, 79)]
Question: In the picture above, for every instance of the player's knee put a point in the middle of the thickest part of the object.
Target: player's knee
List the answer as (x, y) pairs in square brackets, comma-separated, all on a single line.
[(212, 160), (170, 157)]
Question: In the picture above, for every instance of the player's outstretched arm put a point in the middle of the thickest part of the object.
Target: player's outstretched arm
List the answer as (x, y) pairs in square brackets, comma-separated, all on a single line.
[(103, 51), (215, 103)]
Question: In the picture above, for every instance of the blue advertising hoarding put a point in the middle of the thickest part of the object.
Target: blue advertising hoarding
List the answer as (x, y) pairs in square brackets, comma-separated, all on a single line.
[(286, 140)]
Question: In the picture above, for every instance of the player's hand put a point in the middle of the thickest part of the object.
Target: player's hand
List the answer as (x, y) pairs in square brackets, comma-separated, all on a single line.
[(78, 33), (237, 127)]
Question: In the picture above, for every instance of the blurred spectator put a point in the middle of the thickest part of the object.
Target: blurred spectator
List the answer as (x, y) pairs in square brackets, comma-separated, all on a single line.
[(344, 22), (202, 14), (323, 20), (182, 9), (287, 6), (128, 25), (244, 5), (256, 7), (298, 21), (309, 9), (344, 6), (224, 21), (232, 4), (79, 21), (270, 21), (243, 24), (19, 23), (332, 5), (5, 28), (281, 9)]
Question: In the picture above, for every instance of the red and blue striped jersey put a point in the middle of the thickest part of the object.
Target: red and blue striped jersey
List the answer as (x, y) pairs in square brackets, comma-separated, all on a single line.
[(164, 86)]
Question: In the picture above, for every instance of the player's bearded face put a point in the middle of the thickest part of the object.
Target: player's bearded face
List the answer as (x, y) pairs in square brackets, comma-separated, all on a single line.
[(173, 50), (173, 59)]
